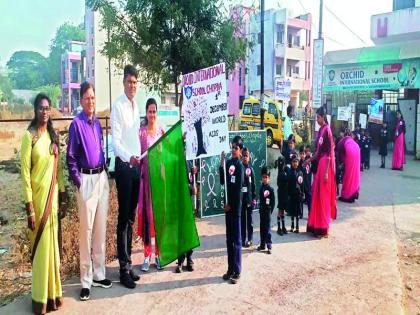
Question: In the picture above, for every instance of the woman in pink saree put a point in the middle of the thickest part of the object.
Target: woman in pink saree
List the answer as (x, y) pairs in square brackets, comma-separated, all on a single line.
[(323, 188), (398, 157), (349, 155), (149, 134)]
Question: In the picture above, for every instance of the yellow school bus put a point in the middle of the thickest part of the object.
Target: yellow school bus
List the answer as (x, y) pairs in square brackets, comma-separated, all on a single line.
[(250, 119)]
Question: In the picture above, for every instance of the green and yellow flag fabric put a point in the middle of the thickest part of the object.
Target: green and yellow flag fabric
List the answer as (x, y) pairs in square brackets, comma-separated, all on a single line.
[(173, 213)]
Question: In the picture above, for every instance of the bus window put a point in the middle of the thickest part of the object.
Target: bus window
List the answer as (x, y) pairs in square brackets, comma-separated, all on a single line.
[(247, 109), (256, 109)]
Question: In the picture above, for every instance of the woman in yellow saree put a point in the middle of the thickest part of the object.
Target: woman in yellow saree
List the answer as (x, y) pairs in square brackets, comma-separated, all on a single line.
[(42, 177)]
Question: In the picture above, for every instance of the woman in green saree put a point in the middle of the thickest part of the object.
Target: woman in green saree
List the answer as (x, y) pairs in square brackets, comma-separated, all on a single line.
[(42, 178)]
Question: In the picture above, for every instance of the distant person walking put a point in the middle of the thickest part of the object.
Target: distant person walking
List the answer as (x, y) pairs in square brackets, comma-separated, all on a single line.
[(287, 129), (42, 179), (398, 157), (324, 187), (349, 155)]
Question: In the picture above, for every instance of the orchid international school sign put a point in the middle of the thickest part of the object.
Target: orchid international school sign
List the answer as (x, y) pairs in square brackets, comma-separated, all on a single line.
[(373, 76)]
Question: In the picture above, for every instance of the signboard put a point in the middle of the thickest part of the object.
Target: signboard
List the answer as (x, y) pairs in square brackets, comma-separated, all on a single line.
[(205, 112), (282, 89), (376, 111), (362, 120), (373, 76), (212, 194), (317, 74), (344, 113)]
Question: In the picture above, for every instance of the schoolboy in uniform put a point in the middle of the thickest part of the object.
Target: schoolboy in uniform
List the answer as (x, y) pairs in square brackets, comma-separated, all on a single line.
[(234, 181), (383, 150), (282, 194), (367, 143), (267, 202), (295, 185), (192, 171), (248, 200)]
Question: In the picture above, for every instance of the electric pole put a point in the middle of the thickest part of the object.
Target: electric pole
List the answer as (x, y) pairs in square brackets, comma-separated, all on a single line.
[(262, 109)]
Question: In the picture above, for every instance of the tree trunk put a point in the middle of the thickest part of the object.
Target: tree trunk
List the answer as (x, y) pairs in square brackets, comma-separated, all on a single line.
[(200, 143)]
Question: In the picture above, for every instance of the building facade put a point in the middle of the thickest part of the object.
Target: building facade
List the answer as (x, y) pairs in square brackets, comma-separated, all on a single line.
[(237, 78), (388, 71), (72, 74), (287, 53)]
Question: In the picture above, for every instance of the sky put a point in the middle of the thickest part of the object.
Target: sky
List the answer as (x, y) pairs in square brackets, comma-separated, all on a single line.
[(31, 24)]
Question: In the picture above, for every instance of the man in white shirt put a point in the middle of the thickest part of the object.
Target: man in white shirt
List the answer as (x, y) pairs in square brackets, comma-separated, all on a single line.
[(287, 128), (125, 124)]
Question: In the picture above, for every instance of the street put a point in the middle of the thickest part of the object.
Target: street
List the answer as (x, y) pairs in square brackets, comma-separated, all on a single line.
[(357, 270)]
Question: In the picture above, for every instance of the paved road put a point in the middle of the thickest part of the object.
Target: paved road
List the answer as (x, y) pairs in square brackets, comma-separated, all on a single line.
[(354, 271)]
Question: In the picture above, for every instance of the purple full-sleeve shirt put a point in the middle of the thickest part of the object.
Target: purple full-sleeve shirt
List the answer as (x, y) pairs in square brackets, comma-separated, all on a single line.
[(85, 148)]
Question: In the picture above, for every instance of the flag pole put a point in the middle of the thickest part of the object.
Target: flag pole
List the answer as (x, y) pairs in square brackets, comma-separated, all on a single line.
[(194, 184), (225, 177)]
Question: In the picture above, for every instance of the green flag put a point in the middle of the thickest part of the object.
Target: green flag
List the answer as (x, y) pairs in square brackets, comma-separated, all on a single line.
[(174, 221)]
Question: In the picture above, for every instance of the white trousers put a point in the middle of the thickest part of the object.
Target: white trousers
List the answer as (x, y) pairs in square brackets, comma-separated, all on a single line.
[(92, 200)]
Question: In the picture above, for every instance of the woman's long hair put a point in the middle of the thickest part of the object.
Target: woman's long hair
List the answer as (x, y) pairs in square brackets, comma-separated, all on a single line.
[(34, 122), (150, 101), (399, 111)]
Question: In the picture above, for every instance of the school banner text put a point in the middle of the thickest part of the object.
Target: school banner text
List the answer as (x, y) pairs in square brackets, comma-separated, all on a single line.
[(374, 76)]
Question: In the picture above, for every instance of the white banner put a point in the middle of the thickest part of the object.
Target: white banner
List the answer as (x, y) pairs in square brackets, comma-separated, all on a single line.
[(362, 120), (205, 112), (282, 89), (317, 73), (344, 113)]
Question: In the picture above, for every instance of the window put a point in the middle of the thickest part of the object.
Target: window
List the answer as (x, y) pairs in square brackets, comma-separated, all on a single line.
[(280, 36), (272, 110), (93, 73), (258, 69), (278, 69), (259, 38), (296, 41), (296, 69), (93, 61), (247, 109), (256, 109), (240, 75)]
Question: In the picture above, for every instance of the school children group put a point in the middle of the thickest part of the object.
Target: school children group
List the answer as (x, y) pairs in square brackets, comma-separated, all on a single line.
[(294, 188)]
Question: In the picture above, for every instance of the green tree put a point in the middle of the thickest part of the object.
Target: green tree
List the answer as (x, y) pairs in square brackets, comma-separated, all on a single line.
[(53, 91), (6, 87), (65, 33), (27, 69), (168, 37)]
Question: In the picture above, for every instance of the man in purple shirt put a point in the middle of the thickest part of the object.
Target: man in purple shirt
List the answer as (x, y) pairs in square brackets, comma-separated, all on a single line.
[(87, 169)]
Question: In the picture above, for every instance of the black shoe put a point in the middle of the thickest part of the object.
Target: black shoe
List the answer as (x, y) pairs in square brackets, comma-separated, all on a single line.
[(279, 232), (85, 294), (178, 269), (235, 278), (134, 275), (249, 244), (190, 267), (269, 251), (284, 230), (296, 231), (227, 275), (126, 280), (260, 248), (103, 283)]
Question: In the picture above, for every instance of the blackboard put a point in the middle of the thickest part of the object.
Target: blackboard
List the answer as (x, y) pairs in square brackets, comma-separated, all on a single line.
[(212, 194)]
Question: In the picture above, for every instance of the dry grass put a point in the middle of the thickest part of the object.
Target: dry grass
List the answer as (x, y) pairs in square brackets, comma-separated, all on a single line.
[(4, 135)]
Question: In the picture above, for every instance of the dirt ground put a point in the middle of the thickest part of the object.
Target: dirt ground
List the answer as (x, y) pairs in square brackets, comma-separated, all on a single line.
[(370, 264)]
